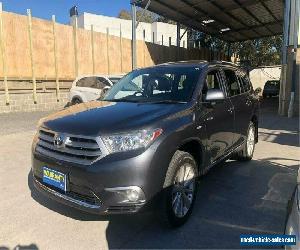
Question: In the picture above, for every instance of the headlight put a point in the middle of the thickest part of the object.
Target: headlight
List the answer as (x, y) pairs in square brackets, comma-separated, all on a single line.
[(130, 141)]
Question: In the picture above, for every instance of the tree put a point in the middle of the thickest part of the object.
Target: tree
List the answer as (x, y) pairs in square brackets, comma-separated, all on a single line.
[(253, 53), (165, 20), (124, 14), (264, 51), (141, 15)]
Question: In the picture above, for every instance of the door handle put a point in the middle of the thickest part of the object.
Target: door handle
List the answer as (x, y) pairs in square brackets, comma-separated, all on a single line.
[(230, 110)]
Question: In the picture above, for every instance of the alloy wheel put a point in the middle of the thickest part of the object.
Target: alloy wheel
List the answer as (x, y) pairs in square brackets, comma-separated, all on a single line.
[(250, 140), (183, 190)]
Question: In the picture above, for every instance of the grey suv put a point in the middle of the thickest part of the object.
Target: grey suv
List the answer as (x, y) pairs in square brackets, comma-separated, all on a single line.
[(147, 141)]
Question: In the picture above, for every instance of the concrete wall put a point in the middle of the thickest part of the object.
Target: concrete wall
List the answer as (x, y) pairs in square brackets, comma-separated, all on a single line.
[(291, 68), (290, 75), (153, 32), (260, 75)]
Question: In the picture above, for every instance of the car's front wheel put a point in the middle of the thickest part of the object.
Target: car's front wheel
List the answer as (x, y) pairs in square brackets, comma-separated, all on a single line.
[(179, 189)]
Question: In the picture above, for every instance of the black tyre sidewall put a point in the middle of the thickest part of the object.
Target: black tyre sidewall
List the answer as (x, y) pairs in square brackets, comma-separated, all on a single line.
[(76, 101), (177, 161)]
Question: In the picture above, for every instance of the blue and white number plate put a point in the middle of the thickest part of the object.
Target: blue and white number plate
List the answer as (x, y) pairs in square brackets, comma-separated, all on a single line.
[(54, 178)]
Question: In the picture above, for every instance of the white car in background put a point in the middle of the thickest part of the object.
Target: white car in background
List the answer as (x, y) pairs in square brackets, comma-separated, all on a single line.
[(91, 87)]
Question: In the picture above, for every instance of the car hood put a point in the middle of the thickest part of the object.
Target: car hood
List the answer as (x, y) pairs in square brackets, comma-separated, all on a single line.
[(101, 117)]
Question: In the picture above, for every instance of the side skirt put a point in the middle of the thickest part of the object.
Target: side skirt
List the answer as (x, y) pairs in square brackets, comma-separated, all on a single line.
[(222, 158)]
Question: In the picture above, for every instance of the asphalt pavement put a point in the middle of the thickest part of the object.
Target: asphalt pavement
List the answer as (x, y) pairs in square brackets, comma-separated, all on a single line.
[(234, 198)]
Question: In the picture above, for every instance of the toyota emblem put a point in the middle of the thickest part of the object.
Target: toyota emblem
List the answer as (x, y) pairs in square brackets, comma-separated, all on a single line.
[(59, 140)]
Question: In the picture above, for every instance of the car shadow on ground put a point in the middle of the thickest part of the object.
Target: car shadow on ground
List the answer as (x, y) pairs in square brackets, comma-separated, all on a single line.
[(233, 198)]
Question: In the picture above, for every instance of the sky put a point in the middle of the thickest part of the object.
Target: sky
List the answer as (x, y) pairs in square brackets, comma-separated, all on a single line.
[(60, 8)]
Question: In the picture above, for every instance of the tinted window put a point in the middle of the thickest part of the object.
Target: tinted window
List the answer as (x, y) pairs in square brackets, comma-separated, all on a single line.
[(273, 83), (244, 82), (156, 84), (232, 82), (212, 81), (92, 82)]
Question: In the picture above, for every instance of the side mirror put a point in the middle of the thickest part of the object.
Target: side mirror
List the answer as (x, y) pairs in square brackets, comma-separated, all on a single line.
[(214, 95)]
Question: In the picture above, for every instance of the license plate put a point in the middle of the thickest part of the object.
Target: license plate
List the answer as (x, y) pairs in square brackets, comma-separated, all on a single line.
[(54, 178)]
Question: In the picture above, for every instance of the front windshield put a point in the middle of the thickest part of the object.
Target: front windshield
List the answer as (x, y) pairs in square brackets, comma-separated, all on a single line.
[(157, 84)]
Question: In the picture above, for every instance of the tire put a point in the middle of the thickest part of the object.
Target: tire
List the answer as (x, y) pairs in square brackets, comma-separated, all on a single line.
[(76, 101), (103, 93), (246, 153), (179, 196)]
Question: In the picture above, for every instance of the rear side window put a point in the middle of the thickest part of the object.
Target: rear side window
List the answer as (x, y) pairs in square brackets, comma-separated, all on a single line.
[(212, 81), (273, 83), (93, 82), (232, 82), (244, 82)]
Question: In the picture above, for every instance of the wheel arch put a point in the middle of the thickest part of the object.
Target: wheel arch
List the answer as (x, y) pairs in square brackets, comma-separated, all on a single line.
[(194, 147), (76, 97)]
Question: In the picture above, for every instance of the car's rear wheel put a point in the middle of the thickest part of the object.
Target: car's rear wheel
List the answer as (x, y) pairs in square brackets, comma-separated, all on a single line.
[(104, 92), (246, 153), (179, 189), (76, 101)]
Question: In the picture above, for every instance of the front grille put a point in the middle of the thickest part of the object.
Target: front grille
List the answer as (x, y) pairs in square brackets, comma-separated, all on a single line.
[(123, 209), (86, 196), (76, 149)]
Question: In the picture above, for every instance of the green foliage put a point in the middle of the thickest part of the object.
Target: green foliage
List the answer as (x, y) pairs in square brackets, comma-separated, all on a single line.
[(124, 14), (264, 51), (141, 15), (258, 52)]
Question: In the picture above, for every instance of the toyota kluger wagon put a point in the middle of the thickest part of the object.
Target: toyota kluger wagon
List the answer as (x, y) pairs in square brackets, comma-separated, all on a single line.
[(153, 134)]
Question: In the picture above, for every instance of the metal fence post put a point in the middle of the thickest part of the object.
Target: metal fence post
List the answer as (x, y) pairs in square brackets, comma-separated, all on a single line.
[(107, 50), (93, 47), (144, 49), (133, 39), (121, 48), (75, 47), (3, 53), (55, 57), (31, 55)]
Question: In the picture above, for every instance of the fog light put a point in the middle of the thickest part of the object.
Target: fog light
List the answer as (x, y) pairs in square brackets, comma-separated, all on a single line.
[(128, 194), (132, 195)]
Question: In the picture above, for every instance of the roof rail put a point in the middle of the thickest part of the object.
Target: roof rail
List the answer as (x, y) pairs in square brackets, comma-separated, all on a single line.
[(225, 62)]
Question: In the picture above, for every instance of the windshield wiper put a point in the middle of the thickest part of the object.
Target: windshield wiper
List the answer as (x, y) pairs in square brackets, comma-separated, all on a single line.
[(144, 101), (119, 100), (166, 101)]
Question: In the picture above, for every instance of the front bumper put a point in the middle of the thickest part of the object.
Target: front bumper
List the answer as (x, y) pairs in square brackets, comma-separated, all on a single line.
[(89, 188), (86, 205)]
